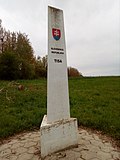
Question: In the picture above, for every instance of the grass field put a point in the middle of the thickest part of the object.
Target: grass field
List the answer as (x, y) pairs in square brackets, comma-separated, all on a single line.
[(94, 101)]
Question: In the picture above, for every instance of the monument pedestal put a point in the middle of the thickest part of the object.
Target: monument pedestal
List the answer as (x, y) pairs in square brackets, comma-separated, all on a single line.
[(58, 135)]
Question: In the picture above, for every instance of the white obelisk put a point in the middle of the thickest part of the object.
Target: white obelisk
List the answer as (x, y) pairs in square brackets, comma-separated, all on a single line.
[(57, 97), (58, 130)]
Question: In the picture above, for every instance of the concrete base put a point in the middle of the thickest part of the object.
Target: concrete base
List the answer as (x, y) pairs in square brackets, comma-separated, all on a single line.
[(58, 136)]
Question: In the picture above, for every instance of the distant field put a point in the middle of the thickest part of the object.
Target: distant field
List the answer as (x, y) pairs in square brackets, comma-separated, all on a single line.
[(94, 101)]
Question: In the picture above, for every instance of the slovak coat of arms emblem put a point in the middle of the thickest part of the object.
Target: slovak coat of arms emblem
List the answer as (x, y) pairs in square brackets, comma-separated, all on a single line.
[(56, 33)]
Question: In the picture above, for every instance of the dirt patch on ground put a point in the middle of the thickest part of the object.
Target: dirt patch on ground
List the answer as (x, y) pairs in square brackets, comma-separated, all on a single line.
[(115, 143)]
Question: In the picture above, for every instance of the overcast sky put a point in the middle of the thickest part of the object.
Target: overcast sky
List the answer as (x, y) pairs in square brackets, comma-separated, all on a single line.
[(92, 30)]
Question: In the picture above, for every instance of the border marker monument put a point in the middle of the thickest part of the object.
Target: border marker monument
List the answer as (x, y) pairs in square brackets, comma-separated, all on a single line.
[(58, 131)]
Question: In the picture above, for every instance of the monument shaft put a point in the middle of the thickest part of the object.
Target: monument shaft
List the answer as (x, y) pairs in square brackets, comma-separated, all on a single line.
[(57, 85)]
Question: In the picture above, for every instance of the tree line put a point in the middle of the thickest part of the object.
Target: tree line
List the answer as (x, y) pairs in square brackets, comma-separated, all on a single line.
[(17, 58)]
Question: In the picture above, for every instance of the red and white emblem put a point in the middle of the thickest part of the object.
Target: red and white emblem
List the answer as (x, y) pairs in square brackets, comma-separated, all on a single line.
[(56, 33)]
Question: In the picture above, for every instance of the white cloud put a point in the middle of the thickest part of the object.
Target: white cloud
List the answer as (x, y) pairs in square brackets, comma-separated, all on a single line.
[(91, 29)]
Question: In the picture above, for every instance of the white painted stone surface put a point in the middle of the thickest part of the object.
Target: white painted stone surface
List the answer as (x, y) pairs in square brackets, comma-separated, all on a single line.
[(58, 135), (58, 131), (57, 87)]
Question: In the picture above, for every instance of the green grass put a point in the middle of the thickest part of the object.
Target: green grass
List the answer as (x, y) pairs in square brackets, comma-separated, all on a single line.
[(95, 102), (25, 109)]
